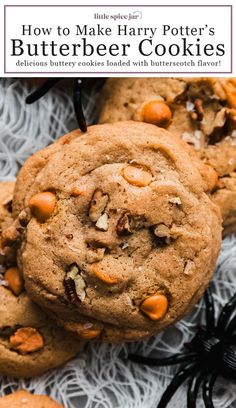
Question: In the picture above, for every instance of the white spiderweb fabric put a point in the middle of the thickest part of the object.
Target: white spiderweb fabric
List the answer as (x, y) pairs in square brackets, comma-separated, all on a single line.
[(99, 378)]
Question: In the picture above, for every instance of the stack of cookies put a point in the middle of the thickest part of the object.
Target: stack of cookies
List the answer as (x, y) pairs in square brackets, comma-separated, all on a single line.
[(113, 235)]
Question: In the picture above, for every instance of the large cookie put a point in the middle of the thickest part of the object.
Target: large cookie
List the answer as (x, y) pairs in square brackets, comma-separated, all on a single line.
[(30, 343), (24, 399), (200, 110), (117, 238)]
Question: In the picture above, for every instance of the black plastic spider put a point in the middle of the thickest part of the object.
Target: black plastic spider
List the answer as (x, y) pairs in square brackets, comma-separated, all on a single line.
[(211, 353), (77, 95)]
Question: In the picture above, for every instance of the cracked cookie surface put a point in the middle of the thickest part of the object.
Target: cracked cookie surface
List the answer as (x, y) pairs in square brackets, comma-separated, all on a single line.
[(132, 237), (202, 111), (30, 342)]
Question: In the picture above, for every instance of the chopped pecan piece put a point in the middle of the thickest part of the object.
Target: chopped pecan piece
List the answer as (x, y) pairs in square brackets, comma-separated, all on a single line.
[(74, 284), (103, 222), (123, 225), (199, 109), (98, 205), (162, 232), (175, 200), (95, 254)]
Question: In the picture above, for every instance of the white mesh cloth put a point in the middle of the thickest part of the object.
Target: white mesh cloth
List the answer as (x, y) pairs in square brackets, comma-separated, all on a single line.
[(99, 378)]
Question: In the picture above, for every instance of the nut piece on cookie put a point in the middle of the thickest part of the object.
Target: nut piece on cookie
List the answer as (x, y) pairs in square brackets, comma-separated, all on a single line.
[(95, 254), (75, 284), (98, 205), (123, 225), (162, 231), (42, 205), (103, 222)]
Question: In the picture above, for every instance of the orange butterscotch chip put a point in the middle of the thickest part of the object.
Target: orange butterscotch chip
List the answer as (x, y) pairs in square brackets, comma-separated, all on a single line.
[(157, 113), (155, 306), (15, 280), (42, 205), (212, 177), (76, 192), (109, 280), (137, 176), (89, 334), (26, 340)]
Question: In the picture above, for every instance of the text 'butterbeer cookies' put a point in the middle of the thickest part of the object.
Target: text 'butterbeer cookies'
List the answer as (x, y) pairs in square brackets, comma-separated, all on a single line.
[(202, 111), (119, 238), (24, 399), (30, 342)]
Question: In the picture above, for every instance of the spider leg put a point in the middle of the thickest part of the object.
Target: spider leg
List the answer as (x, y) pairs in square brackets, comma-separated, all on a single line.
[(78, 107), (208, 385), (175, 359), (210, 311), (226, 313), (178, 379), (231, 329), (193, 388), (42, 90)]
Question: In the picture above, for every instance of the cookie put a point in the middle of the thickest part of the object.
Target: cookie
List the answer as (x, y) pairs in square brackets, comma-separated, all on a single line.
[(202, 111), (30, 343), (24, 399), (116, 236)]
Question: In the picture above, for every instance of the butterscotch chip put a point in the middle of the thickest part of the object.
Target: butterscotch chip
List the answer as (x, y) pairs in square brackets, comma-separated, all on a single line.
[(26, 340), (157, 113), (90, 334), (78, 191), (24, 399), (211, 176), (15, 280), (137, 176), (155, 307), (109, 280), (42, 205), (203, 115), (137, 169)]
